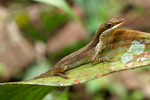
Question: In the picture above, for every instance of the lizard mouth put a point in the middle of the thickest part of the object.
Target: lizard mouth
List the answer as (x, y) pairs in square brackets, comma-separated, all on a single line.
[(118, 24)]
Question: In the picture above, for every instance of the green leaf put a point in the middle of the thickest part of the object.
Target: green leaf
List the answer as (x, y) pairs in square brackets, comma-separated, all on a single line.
[(64, 6), (24, 92), (64, 94), (129, 49)]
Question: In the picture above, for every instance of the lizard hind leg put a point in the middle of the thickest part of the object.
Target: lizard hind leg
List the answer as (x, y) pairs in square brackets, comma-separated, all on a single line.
[(60, 71), (108, 59)]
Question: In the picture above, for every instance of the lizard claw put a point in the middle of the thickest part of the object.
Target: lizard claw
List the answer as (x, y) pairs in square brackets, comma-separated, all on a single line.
[(108, 59), (66, 77), (62, 75)]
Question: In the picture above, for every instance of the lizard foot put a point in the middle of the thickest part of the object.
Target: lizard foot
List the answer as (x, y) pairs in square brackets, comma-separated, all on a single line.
[(108, 59), (62, 75)]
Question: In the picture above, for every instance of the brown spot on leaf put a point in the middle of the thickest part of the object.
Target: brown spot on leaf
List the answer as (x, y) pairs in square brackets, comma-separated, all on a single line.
[(98, 76), (129, 64), (121, 38), (77, 81), (86, 74), (36, 84)]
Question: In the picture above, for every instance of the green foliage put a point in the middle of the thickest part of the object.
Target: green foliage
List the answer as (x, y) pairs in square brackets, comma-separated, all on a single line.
[(96, 85), (2, 69), (64, 95), (21, 18), (23, 2), (36, 69), (137, 95), (63, 6), (119, 90), (24, 92), (33, 33), (98, 11), (52, 20), (57, 95), (49, 23)]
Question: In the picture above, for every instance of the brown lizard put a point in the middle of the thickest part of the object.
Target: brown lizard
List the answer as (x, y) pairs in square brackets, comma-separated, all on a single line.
[(88, 52)]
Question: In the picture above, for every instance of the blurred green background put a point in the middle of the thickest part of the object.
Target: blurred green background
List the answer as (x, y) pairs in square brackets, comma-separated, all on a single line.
[(34, 35)]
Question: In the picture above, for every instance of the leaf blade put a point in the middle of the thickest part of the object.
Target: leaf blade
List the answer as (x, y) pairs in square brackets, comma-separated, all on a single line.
[(121, 43), (136, 43), (25, 92)]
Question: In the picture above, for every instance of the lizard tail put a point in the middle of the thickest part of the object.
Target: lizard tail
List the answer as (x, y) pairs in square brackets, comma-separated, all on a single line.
[(46, 74)]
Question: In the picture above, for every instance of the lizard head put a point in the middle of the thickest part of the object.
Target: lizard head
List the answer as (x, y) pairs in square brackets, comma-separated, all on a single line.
[(107, 28), (111, 25)]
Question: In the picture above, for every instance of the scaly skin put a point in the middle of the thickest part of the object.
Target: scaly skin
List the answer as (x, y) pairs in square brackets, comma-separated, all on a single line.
[(88, 52)]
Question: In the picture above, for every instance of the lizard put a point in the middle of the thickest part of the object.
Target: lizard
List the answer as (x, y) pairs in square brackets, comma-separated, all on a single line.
[(88, 52)]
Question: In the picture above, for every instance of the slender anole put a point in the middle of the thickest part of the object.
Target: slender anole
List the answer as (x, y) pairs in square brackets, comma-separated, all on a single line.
[(88, 52)]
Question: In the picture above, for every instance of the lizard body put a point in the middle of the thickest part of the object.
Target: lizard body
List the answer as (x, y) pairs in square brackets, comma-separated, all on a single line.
[(88, 52)]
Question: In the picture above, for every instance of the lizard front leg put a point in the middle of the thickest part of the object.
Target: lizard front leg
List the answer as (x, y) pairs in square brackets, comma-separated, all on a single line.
[(60, 71), (99, 48)]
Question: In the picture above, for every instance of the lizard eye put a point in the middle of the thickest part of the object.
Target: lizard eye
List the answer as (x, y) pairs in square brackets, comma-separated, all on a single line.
[(109, 25)]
